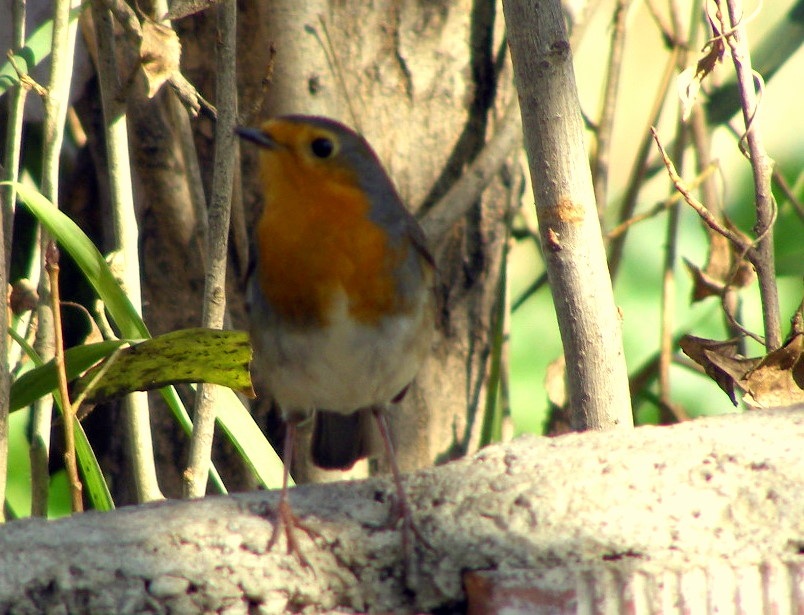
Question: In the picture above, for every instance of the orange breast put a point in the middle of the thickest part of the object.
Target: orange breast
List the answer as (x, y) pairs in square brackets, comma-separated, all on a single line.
[(315, 239)]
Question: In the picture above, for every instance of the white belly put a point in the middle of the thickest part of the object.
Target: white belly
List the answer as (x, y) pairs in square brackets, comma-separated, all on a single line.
[(346, 365)]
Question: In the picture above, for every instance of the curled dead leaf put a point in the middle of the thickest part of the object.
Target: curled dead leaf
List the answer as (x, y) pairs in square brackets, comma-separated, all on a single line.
[(775, 380), (160, 54), (185, 8), (725, 266), (689, 81), (719, 360), (778, 380)]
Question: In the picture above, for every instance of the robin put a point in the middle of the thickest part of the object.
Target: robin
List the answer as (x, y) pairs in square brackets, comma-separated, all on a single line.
[(341, 297)]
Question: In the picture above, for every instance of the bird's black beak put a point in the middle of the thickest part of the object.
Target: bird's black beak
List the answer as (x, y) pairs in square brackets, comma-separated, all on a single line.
[(255, 135)]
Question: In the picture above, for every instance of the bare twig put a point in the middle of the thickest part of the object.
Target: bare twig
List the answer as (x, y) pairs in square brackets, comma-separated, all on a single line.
[(11, 161), (790, 193), (762, 167), (738, 240), (668, 302), (661, 22), (68, 414), (746, 247), (529, 292), (734, 323), (195, 477), (465, 192), (55, 103), (670, 201), (5, 379), (600, 165), (639, 168), (126, 235), (8, 197)]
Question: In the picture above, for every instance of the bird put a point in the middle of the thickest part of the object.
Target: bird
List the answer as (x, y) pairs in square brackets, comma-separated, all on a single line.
[(341, 296)]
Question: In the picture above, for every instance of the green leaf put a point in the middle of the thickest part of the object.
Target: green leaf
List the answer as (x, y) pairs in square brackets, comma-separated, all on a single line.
[(234, 419), (187, 355), (95, 483), (237, 423), (91, 262), (42, 380)]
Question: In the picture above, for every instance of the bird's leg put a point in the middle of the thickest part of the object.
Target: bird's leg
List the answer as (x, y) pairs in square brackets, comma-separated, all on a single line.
[(403, 510), (284, 514)]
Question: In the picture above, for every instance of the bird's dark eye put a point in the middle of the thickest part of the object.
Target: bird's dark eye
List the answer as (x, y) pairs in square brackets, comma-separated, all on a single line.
[(322, 147)]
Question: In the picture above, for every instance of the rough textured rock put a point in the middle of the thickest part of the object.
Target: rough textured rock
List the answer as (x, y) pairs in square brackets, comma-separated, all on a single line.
[(721, 492)]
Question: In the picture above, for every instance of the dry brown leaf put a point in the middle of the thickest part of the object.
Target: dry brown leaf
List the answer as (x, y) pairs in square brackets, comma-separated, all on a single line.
[(719, 360), (778, 379), (22, 296), (555, 385), (723, 266), (744, 274), (555, 382), (775, 380), (689, 81), (184, 8), (703, 285), (160, 54)]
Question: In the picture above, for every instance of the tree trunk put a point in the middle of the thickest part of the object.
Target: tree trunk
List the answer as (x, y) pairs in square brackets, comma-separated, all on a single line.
[(418, 81)]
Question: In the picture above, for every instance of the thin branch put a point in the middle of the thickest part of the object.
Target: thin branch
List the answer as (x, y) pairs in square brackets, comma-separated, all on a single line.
[(126, 235), (16, 105), (195, 477), (738, 240), (465, 192), (640, 165), (661, 23), (670, 201), (68, 412), (730, 298), (668, 298), (8, 197), (745, 247), (790, 192), (600, 165), (681, 36), (762, 167), (531, 290), (61, 69)]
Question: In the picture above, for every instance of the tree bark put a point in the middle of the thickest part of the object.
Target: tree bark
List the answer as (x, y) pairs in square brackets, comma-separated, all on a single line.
[(572, 244), (703, 496), (418, 81)]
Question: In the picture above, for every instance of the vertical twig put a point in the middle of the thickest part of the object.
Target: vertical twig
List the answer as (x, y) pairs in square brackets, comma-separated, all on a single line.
[(68, 412), (666, 341), (605, 126), (16, 106), (762, 168), (640, 165), (195, 477), (55, 102), (710, 196), (568, 223), (491, 430), (126, 236), (5, 380), (11, 162)]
